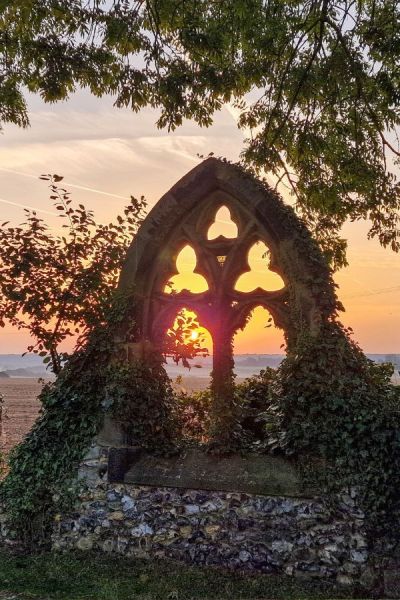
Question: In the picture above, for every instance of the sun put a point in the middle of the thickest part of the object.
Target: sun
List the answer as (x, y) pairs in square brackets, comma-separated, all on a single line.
[(194, 335)]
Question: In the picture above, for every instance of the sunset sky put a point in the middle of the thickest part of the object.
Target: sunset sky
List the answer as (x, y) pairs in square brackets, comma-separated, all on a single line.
[(106, 154)]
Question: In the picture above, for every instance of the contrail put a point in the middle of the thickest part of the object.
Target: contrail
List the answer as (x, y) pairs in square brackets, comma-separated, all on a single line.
[(46, 212), (368, 292), (72, 185), (375, 292)]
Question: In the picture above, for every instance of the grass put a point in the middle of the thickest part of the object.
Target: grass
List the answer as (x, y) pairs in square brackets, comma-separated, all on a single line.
[(90, 576)]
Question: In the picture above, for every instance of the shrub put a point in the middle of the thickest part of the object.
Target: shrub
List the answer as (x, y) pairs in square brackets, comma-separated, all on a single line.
[(329, 401), (194, 415)]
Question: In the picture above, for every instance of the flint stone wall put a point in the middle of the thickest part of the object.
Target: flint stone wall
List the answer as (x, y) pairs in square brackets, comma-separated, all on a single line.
[(303, 537), (237, 531)]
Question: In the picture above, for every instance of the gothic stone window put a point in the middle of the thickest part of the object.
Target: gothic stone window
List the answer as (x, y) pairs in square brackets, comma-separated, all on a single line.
[(185, 217)]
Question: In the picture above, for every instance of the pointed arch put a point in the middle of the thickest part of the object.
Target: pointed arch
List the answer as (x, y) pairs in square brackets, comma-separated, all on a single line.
[(183, 216)]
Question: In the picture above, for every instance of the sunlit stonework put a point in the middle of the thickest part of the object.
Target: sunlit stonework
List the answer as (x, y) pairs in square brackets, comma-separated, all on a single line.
[(180, 259)]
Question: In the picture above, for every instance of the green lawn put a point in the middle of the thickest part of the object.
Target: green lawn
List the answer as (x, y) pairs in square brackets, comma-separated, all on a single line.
[(99, 577)]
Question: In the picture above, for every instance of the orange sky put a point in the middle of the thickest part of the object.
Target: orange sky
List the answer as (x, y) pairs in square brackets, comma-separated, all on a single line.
[(106, 154)]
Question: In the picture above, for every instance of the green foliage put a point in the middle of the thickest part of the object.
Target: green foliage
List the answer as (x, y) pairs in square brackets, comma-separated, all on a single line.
[(2, 461), (327, 402), (61, 287), (142, 401), (251, 402), (179, 343), (43, 469), (225, 430), (331, 408), (253, 399), (331, 403), (194, 415), (316, 83)]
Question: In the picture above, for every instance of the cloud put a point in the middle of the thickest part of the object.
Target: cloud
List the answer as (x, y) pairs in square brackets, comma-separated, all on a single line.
[(94, 169)]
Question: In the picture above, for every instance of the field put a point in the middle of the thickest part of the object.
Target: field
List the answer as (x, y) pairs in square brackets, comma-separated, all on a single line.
[(21, 406)]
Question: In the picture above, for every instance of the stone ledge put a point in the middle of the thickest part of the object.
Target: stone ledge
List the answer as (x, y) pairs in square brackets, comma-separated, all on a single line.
[(252, 474)]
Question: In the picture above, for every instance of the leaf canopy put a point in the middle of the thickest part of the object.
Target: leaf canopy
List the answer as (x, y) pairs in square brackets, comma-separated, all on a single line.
[(315, 83)]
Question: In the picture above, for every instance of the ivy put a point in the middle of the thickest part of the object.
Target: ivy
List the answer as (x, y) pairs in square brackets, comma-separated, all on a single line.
[(2, 460), (42, 477), (330, 402), (142, 402)]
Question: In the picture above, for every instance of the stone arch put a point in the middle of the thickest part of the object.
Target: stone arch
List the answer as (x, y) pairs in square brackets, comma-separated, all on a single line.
[(183, 216)]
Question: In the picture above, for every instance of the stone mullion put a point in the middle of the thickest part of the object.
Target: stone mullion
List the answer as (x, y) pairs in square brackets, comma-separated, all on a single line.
[(222, 384), (224, 418)]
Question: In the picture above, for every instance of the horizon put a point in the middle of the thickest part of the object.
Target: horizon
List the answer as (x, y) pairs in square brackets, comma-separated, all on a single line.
[(15, 367), (267, 354)]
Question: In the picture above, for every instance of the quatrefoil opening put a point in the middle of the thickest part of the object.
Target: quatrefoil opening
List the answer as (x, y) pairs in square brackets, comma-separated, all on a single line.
[(223, 225), (259, 275), (186, 278)]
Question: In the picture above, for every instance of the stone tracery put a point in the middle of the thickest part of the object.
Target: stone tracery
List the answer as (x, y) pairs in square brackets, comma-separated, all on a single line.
[(186, 278), (185, 216), (223, 216)]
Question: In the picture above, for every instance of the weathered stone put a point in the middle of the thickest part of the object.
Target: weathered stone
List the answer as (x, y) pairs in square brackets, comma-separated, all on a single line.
[(351, 568), (94, 452), (212, 530), (142, 530), (192, 509), (113, 496), (111, 434), (195, 469), (244, 556), (213, 505), (344, 580), (90, 475), (246, 512), (304, 554), (189, 207), (359, 556), (108, 545), (359, 541), (116, 516), (391, 582), (281, 546), (84, 543), (128, 503), (368, 578)]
